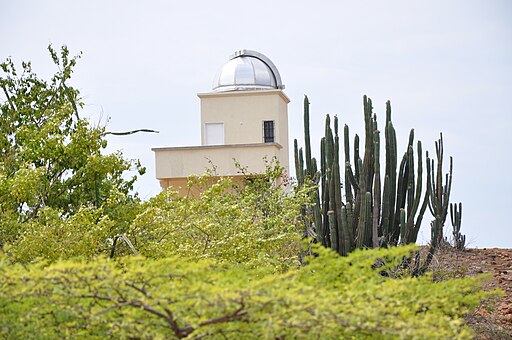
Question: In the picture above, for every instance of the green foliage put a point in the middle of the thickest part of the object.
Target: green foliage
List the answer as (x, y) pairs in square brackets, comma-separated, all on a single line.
[(257, 224), (86, 233), (182, 297), (51, 237), (50, 157)]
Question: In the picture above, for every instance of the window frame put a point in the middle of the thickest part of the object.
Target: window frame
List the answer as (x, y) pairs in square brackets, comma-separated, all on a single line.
[(269, 138), (221, 136)]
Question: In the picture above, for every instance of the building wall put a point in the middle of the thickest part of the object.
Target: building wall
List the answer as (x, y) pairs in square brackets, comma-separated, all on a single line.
[(181, 162), (243, 113)]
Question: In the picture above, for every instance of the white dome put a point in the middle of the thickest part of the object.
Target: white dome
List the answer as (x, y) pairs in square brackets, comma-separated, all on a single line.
[(247, 70)]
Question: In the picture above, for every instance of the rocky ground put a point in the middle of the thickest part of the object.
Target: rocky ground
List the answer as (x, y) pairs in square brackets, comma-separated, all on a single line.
[(492, 320)]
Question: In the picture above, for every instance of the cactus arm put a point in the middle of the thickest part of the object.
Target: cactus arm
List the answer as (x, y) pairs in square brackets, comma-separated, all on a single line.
[(300, 174), (376, 191), (400, 200), (447, 191), (348, 187), (404, 230), (431, 185), (356, 156), (333, 231), (388, 208), (329, 153), (410, 174), (386, 199), (421, 214), (366, 172), (419, 183), (317, 214), (364, 227), (297, 163), (367, 169), (346, 227), (337, 189), (423, 207), (325, 190), (307, 138)]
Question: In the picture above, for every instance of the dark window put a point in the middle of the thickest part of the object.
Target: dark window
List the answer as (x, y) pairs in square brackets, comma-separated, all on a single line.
[(268, 131)]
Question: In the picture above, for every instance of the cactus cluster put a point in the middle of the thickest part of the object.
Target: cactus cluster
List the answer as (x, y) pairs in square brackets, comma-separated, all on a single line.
[(459, 240), (364, 211)]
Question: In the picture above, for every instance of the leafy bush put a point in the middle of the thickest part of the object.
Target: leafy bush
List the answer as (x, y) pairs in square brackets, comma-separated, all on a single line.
[(256, 224), (177, 297)]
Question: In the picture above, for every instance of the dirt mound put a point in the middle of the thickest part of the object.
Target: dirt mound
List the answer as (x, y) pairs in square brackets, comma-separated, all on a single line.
[(491, 320)]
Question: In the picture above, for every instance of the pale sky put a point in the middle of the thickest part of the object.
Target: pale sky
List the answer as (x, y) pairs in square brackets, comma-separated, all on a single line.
[(446, 66)]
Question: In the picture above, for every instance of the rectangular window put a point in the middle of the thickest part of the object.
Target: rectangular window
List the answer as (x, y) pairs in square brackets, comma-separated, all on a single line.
[(268, 131), (214, 133)]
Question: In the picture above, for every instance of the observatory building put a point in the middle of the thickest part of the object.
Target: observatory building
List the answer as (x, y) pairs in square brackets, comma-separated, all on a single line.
[(244, 119)]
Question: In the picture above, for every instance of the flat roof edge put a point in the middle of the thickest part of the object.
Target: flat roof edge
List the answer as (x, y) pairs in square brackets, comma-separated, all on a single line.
[(226, 146), (245, 93)]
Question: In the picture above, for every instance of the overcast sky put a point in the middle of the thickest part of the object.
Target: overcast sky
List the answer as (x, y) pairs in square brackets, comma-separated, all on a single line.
[(446, 66)]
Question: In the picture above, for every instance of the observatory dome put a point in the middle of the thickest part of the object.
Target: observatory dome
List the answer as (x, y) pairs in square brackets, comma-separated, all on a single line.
[(247, 70)]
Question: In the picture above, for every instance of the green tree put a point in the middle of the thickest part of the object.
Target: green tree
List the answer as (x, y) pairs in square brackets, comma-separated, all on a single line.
[(51, 157)]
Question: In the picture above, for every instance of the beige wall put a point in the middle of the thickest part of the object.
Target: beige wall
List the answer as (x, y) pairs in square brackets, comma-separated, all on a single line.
[(243, 113), (195, 160)]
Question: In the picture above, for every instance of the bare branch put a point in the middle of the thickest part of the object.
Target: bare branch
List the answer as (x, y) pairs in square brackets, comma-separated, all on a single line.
[(125, 133), (139, 289), (126, 240)]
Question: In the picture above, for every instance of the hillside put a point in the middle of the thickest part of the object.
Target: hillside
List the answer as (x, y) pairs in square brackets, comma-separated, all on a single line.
[(492, 320)]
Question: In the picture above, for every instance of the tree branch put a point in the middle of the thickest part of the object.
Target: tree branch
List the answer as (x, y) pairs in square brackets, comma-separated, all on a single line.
[(71, 99), (125, 133), (9, 98)]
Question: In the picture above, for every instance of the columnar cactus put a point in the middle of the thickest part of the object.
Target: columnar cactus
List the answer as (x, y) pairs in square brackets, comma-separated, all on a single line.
[(409, 230), (389, 193), (374, 212), (459, 240), (439, 194), (310, 173)]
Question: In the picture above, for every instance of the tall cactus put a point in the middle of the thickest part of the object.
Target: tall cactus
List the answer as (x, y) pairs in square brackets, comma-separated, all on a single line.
[(348, 188), (409, 230), (376, 226), (389, 193), (307, 138), (439, 194), (375, 211), (299, 169), (310, 174), (363, 204), (344, 230), (329, 199)]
